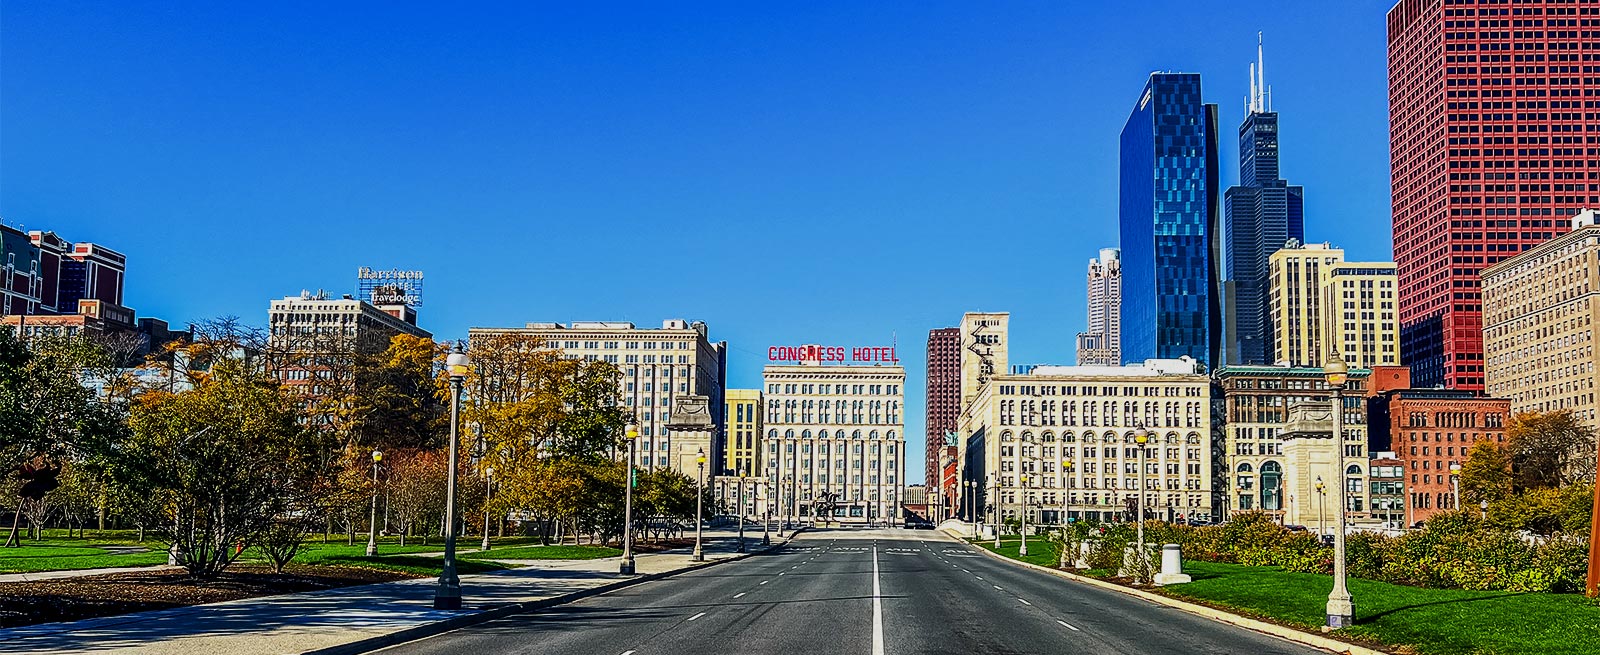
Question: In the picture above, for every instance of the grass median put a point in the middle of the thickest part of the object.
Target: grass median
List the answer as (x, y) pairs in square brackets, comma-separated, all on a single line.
[(544, 552), (1412, 619)]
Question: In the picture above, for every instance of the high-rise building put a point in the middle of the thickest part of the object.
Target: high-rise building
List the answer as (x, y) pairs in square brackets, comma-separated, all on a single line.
[(1021, 428), (1489, 113), (1538, 311), (834, 433), (1262, 213), (984, 339), (943, 403), (1171, 244), (1101, 344), (317, 337), (741, 443), (21, 283), (1319, 302), (657, 365)]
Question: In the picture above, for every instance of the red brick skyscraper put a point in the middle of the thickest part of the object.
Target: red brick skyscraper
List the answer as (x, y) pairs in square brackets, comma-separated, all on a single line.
[(1490, 104), (944, 405)]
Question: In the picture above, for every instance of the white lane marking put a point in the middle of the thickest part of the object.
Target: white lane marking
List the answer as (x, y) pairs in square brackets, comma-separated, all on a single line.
[(627, 652), (1024, 602), (765, 581), (697, 616), (1068, 625), (740, 594), (978, 577), (787, 571), (995, 586), (877, 606)]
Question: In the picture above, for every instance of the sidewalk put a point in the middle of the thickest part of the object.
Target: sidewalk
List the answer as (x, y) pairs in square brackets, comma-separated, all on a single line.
[(297, 623), (36, 576)]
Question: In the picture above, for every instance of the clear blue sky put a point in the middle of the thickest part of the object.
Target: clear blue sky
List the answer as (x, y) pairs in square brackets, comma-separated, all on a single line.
[(814, 173)]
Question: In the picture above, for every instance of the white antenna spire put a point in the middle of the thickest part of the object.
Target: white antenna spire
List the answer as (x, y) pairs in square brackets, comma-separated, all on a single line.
[(1255, 95), (1261, 75)]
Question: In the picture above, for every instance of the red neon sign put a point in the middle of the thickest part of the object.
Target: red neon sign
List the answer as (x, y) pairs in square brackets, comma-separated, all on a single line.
[(819, 354)]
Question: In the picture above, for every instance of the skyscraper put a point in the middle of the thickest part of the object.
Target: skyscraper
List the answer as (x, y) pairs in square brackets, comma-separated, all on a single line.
[(1263, 212), (1171, 245), (1101, 344), (944, 398), (1487, 124)]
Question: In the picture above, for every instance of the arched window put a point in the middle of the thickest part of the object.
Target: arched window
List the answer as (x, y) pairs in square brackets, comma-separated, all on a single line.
[(1271, 486), (1048, 437), (891, 435), (1068, 437), (855, 435), (1244, 467), (872, 435), (1193, 438), (788, 434), (805, 434), (1353, 470), (772, 434)]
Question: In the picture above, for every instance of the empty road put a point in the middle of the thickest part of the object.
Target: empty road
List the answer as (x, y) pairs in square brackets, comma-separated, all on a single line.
[(873, 592)]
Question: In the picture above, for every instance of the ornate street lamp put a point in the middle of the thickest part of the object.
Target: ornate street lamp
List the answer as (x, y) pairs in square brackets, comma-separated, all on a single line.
[(1341, 608), (1066, 474), (372, 529), (699, 501), (447, 596), (1141, 436), (488, 481), (627, 567), (1022, 527), (1455, 485)]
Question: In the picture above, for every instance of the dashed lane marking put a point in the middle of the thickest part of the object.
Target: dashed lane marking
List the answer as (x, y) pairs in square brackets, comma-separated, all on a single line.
[(697, 616), (765, 581), (740, 594), (1069, 626), (995, 586), (1025, 602)]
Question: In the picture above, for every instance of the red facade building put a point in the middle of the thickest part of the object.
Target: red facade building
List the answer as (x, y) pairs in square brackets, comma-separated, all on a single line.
[(944, 409), (1494, 111), (1431, 429)]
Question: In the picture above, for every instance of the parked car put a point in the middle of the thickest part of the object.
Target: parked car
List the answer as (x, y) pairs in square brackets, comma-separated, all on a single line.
[(918, 525), (1297, 528)]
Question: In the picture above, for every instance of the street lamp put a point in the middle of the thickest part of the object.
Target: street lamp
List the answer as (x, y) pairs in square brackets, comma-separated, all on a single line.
[(372, 529), (1022, 515), (970, 499), (740, 495), (996, 505), (1455, 485), (1141, 436), (1483, 510), (1066, 477), (447, 596), (1341, 609), (699, 501), (488, 481), (766, 512), (631, 434)]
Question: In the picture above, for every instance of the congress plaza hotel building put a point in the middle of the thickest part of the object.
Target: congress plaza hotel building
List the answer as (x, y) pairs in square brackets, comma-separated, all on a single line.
[(835, 429)]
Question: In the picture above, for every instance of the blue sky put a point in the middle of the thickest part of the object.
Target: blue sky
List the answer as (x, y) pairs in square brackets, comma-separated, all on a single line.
[(836, 173)]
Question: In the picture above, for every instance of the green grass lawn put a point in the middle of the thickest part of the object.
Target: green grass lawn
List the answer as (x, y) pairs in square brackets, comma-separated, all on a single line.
[(1423, 621), (391, 557), (545, 552), (1429, 621), (61, 555), (1039, 549)]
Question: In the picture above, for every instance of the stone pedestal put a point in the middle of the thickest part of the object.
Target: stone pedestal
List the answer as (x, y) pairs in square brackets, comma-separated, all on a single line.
[(1171, 566)]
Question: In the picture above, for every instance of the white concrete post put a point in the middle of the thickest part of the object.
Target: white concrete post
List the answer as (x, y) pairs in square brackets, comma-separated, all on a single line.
[(1171, 566)]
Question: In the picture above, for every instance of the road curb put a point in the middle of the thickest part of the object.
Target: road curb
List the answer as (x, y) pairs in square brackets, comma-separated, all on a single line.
[(425, 630), (1282, 632)]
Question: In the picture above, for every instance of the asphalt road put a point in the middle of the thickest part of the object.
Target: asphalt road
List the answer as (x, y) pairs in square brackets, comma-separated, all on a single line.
[(878, 592)]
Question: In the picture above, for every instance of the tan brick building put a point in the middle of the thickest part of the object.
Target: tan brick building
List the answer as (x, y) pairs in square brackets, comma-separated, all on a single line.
[(1539, 312)]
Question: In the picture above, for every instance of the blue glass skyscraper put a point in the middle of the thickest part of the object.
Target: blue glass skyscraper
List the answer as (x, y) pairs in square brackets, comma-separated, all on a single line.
[(1263, 212), (1171, 245)]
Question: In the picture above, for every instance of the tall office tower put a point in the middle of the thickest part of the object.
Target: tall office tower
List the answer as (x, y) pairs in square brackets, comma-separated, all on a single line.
[(1262, 213), (1101, 344), (1171, 245), (1486, 127), (741, 444), (1319, 303), (944, 400)]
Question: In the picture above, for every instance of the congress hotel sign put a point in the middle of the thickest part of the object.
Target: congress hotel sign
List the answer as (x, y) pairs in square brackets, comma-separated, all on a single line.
[(832, 354)]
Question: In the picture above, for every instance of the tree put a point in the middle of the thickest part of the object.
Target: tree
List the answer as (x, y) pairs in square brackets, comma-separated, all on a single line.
[(416, 485), (1486, 475), (219, 464), (47, 416), (397, 404), (1550, 450)]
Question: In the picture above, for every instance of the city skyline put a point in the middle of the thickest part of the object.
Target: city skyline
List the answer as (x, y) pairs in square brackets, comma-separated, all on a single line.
[(1053, 103)]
